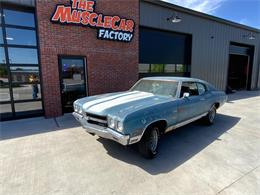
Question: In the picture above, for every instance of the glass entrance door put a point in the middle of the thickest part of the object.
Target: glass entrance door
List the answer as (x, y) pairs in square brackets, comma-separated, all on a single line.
[(73, 81)]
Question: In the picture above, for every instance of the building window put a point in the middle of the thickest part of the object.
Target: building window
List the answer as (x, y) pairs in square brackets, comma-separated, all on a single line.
[(16, 36), (180, 68), (157, 67), (1, 36), (18, 18), (144, 68), (22, 56), (164, 70), (26, 73), (20, 84), (5, 109), (169, 68), (2, 56)]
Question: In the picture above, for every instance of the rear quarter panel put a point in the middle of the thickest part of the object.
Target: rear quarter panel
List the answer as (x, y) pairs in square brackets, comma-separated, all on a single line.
[(219, 97)]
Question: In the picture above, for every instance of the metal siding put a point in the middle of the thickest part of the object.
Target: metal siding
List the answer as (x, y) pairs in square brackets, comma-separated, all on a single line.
[(258, 68), (210, 57)]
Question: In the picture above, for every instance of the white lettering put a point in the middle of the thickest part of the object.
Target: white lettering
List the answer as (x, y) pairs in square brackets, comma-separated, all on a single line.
[(114, 35), (130, 37), (106, 36), (101, 32), (125, 36), (120, 36)]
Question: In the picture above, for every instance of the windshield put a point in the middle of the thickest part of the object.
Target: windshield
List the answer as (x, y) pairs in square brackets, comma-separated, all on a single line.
[(164, 88)]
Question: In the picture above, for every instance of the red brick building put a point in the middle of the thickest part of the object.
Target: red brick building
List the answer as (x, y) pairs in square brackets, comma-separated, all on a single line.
[(110, 65), (54, 52), (105, 65)]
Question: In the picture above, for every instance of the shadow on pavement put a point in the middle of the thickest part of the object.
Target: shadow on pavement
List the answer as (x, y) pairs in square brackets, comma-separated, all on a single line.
[(32, 126), (175, 147), (242, 95)]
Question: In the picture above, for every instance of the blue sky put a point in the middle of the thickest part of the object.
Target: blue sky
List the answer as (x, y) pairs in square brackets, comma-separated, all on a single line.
[(241, 11)]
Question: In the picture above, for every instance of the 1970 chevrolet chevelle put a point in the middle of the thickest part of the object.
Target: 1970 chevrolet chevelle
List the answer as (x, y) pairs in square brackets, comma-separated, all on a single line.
[(152, 107)]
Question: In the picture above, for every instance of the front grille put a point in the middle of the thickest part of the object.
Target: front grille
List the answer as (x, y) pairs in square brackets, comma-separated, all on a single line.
[(96, 119)]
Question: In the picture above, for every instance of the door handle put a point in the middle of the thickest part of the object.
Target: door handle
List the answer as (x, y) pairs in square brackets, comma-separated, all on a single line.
[(202, 99)]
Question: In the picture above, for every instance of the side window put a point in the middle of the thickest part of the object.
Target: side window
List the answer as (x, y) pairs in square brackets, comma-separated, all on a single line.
[(193, 89), (189, 87), (201, 88), (184, 89)]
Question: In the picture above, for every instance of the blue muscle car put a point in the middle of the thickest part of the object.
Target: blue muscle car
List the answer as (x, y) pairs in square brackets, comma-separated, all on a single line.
[(152, 107)]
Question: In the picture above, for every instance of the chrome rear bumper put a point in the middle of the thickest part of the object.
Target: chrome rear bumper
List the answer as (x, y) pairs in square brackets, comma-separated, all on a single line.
[(104, 132)]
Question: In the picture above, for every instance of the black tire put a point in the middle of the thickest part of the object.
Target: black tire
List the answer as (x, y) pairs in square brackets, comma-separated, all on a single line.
[(209, 119), (148, 145)]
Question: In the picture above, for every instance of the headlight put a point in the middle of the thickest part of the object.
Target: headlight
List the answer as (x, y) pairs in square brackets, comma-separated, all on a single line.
[(120, 126), (111, 122), (115, 123), (77, 108), (80, 110)]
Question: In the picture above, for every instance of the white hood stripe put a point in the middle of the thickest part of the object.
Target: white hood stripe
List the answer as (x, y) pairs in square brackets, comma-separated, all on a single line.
[(97, 101), (121, 100)]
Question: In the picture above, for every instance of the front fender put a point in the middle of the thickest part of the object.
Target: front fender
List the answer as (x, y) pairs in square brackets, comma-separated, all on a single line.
[(136, 123)]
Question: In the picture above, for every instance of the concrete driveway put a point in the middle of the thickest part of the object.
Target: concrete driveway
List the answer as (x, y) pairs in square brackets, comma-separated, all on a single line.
[(56, 156)]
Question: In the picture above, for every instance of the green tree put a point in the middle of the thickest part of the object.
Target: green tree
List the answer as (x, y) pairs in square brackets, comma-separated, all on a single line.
[(3, 71), (157, 67)]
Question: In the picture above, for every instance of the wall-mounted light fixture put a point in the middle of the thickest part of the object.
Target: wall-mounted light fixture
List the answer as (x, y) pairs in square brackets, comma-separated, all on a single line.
[(249, 36), (9, 38), (174, 18)]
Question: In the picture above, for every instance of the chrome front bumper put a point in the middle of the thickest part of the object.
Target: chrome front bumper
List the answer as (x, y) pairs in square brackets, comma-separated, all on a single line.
[(104, 132)]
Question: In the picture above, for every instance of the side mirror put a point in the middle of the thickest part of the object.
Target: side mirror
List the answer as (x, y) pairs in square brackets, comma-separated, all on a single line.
[(185, 95)]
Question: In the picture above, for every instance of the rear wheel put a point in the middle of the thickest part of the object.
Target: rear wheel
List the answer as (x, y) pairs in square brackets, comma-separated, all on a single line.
[(209, 119), (148, 145)]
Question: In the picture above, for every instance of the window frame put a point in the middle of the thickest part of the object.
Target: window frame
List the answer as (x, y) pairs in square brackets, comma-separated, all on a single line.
[(205, 87), (5, 45), (84, 59), (22, 45), (9, 48), (189, 82), (12, 7), (164, 72)]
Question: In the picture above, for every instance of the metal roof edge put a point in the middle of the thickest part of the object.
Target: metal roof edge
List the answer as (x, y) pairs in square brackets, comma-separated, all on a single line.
[(200, 14)]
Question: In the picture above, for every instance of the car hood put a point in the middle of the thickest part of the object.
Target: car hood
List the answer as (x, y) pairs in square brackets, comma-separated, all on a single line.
[(120, 104)]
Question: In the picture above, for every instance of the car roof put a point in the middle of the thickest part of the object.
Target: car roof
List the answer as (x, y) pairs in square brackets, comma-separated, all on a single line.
[(183, 79)]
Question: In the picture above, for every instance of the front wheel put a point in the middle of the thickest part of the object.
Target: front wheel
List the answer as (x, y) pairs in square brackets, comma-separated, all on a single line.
[(148, 145), (209, 119)]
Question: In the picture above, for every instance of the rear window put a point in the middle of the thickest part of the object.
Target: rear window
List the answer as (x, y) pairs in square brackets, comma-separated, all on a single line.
[(211, 87)]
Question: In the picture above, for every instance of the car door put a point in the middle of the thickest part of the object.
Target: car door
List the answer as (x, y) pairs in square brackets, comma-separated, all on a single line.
[(188, 107), (204, 96)]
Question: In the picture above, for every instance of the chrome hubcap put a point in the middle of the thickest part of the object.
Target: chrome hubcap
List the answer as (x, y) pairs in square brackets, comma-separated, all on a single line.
[(212, 115), (154, 140)]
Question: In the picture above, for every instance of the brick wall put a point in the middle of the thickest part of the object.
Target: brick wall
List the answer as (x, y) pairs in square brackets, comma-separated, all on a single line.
[(111, 66)]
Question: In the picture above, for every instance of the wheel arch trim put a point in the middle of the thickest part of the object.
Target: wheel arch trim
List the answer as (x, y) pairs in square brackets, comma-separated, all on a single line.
[(137, 138)]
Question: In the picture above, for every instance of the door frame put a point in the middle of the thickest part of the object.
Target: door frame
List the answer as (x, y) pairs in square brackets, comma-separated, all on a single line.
[(250, 54), (248, 82), (60, 57)]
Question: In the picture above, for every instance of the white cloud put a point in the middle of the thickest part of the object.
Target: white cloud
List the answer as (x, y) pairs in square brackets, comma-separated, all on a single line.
[(243, 21), (206, 6)]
